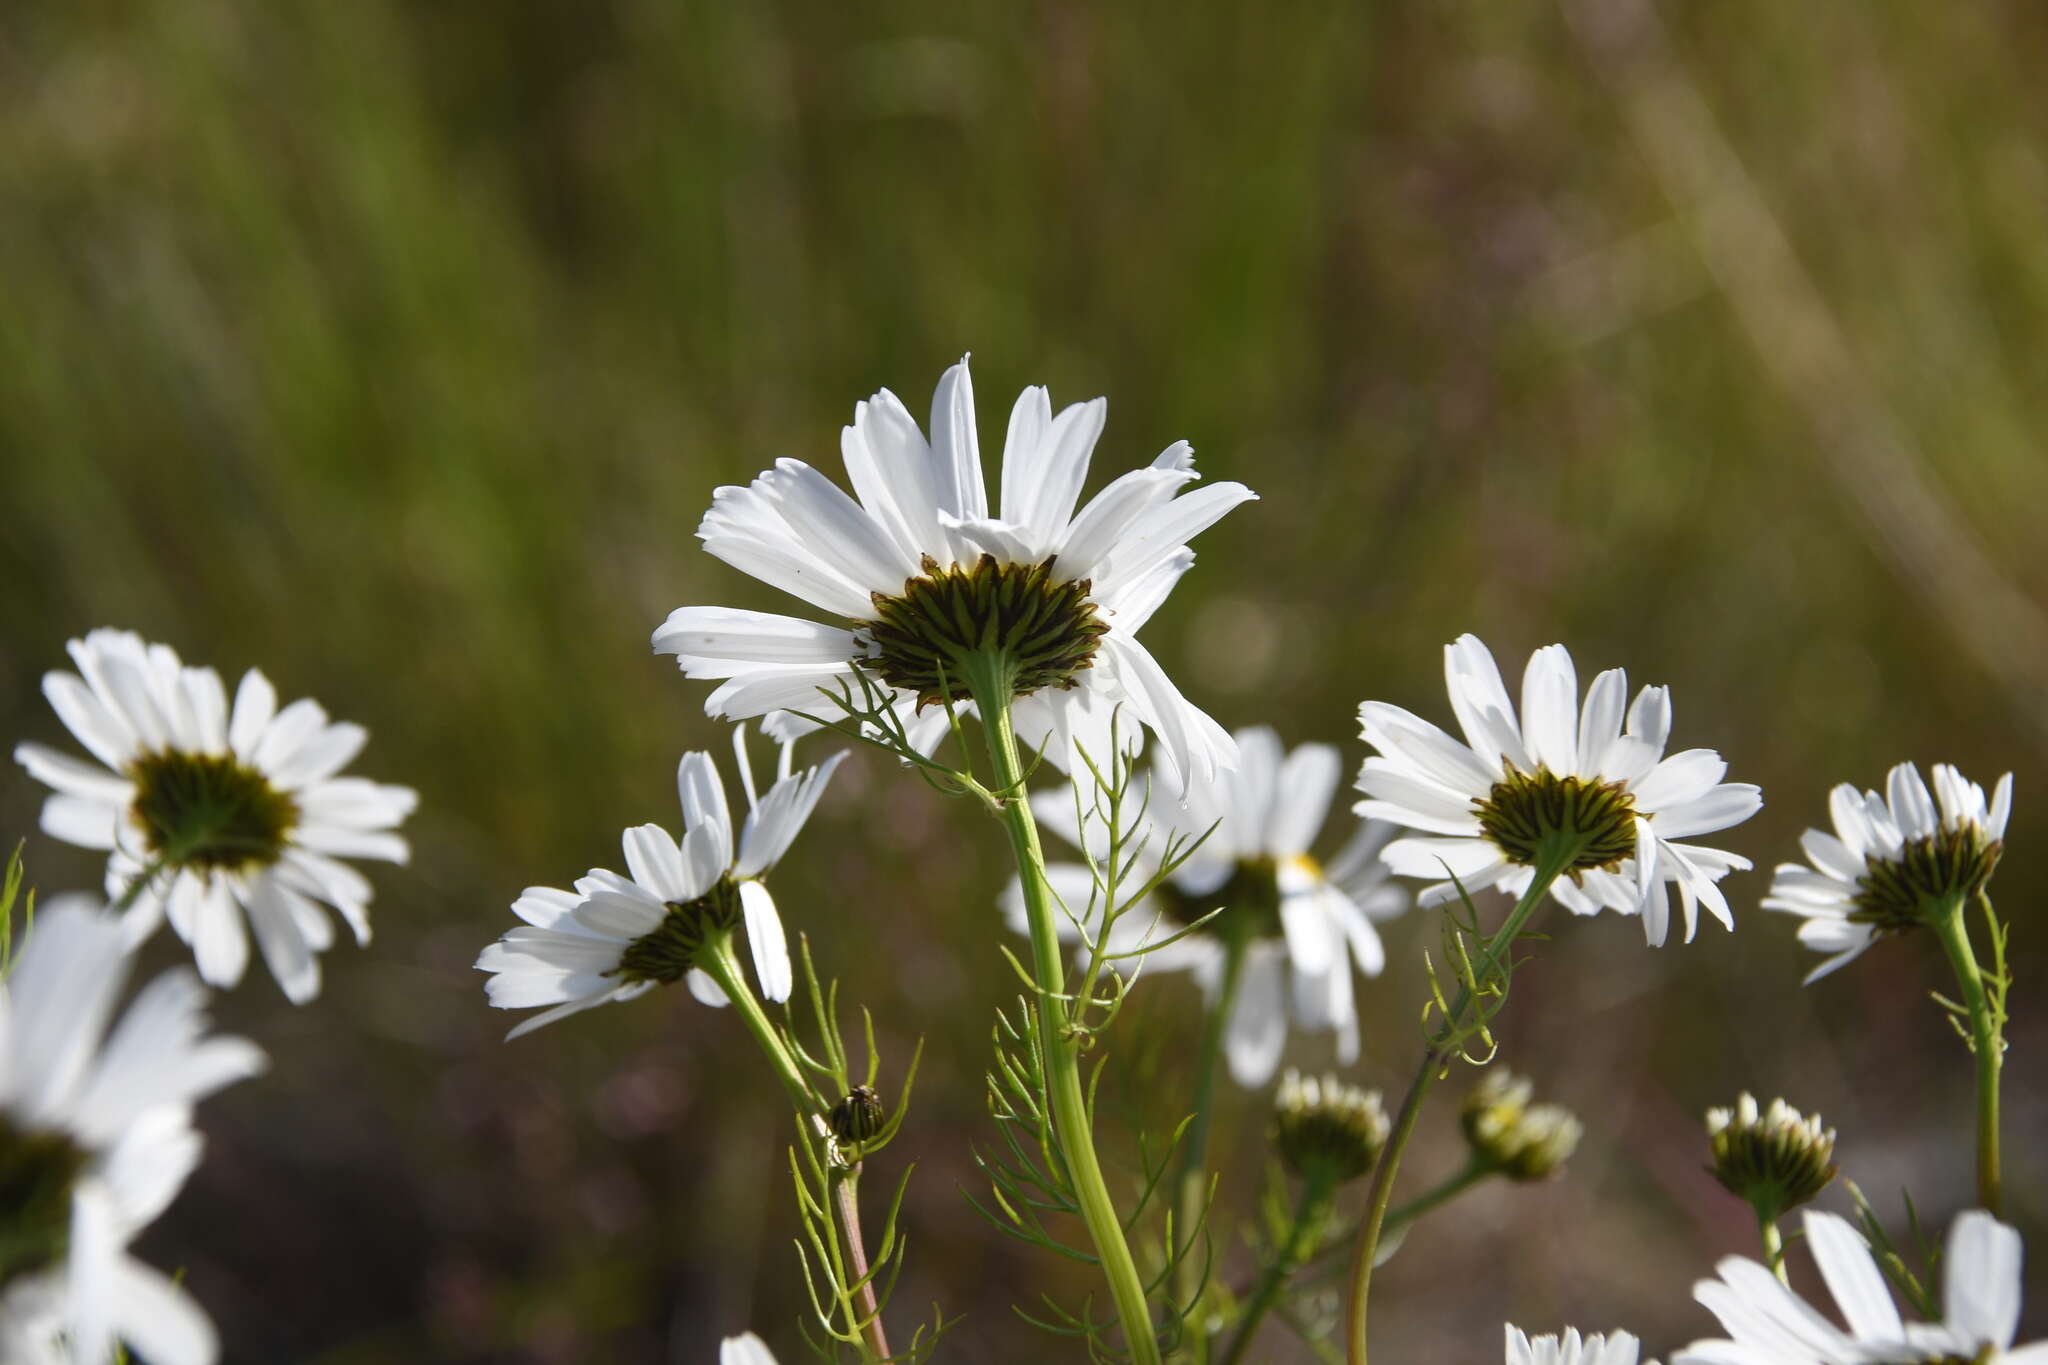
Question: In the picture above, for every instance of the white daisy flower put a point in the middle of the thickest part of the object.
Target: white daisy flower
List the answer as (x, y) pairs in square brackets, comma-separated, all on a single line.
[(1304, 926), (1618, 1348), (616, 938), (923, 578), (1770, 1325), (1486, 807), (96, 1138), (1893, 862), (237, 811), (745, 1349)]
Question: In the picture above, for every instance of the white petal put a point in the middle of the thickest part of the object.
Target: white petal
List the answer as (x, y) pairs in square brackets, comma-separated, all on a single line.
[(1980, 1292), (62, 990), (890, 466), (1852, 1277), (1550, 709), (1196, 746), (74, 778), (1257, 1031), (956, 452), (2001, 808), (808, 688), (281, 940), (1301, 798), (95, 724), (1045, 461), (705, 990), (1480, 701), (159, 1319), (702, 794), (1728, 804), (324, 754), (1110, 513), (84, 821), (1155, 534), (91, 1269), (717, 642), (835, 528), (220, 945), (255, 704), (1600, 719), (745, 1349), (1911, 806), (765, 937), (774, 824), (1681, 778)]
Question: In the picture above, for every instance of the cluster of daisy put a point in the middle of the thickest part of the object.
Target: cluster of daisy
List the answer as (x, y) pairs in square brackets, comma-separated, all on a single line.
[(1194, 850), (226, 820)]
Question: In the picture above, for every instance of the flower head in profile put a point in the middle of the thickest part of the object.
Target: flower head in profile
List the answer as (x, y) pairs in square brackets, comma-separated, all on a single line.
[(1511, 1134), (1894, 862), (1615, 1348), (1588, 785), (931, 592), (1768, 1324), (1774, 1158), (616, 938), (1326, 1130), (96, 1139), (1300, 927), (234, 812)]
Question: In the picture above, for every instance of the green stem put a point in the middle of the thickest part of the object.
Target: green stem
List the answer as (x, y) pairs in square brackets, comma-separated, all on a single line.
[(1194, 1175), (1985, 1042), (1058, 1044), (133, 892), (1774, 1249), (1474, 1172), (721, 962), (1402, 1215), (1308, 1217), (1555, 856)]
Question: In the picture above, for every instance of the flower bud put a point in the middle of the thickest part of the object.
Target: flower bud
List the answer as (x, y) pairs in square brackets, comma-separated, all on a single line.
[(859, 1116), (1522, 1141), (1326, 1129), (1776, 1159)]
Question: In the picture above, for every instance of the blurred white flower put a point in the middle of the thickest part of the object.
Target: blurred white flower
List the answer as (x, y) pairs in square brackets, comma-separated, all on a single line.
[(922, 577), (745, 1349), (238, 811), (1893, 861), (96, 1139), (616, 938), (1484, 808), (1618, 1348), (1770, 1325), (1304, 926)]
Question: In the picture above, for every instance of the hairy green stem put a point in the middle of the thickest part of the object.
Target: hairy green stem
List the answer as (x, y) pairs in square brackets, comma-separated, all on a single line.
[(1553, 858), (721, 962), (1308, 1217), (1985, 1042), (1194, 1175), (1059, 1046)]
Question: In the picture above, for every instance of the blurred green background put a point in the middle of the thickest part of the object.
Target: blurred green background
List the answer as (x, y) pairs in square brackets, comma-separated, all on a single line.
[(398, 347)]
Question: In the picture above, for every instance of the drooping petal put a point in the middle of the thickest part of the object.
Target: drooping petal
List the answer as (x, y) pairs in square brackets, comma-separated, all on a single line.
[(769, 944)]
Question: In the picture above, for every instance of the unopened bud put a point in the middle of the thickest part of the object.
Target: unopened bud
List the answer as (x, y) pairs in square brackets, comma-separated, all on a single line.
[(859, 1116), (1327, 1129), (1775, 1159), (1522, 1141)]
